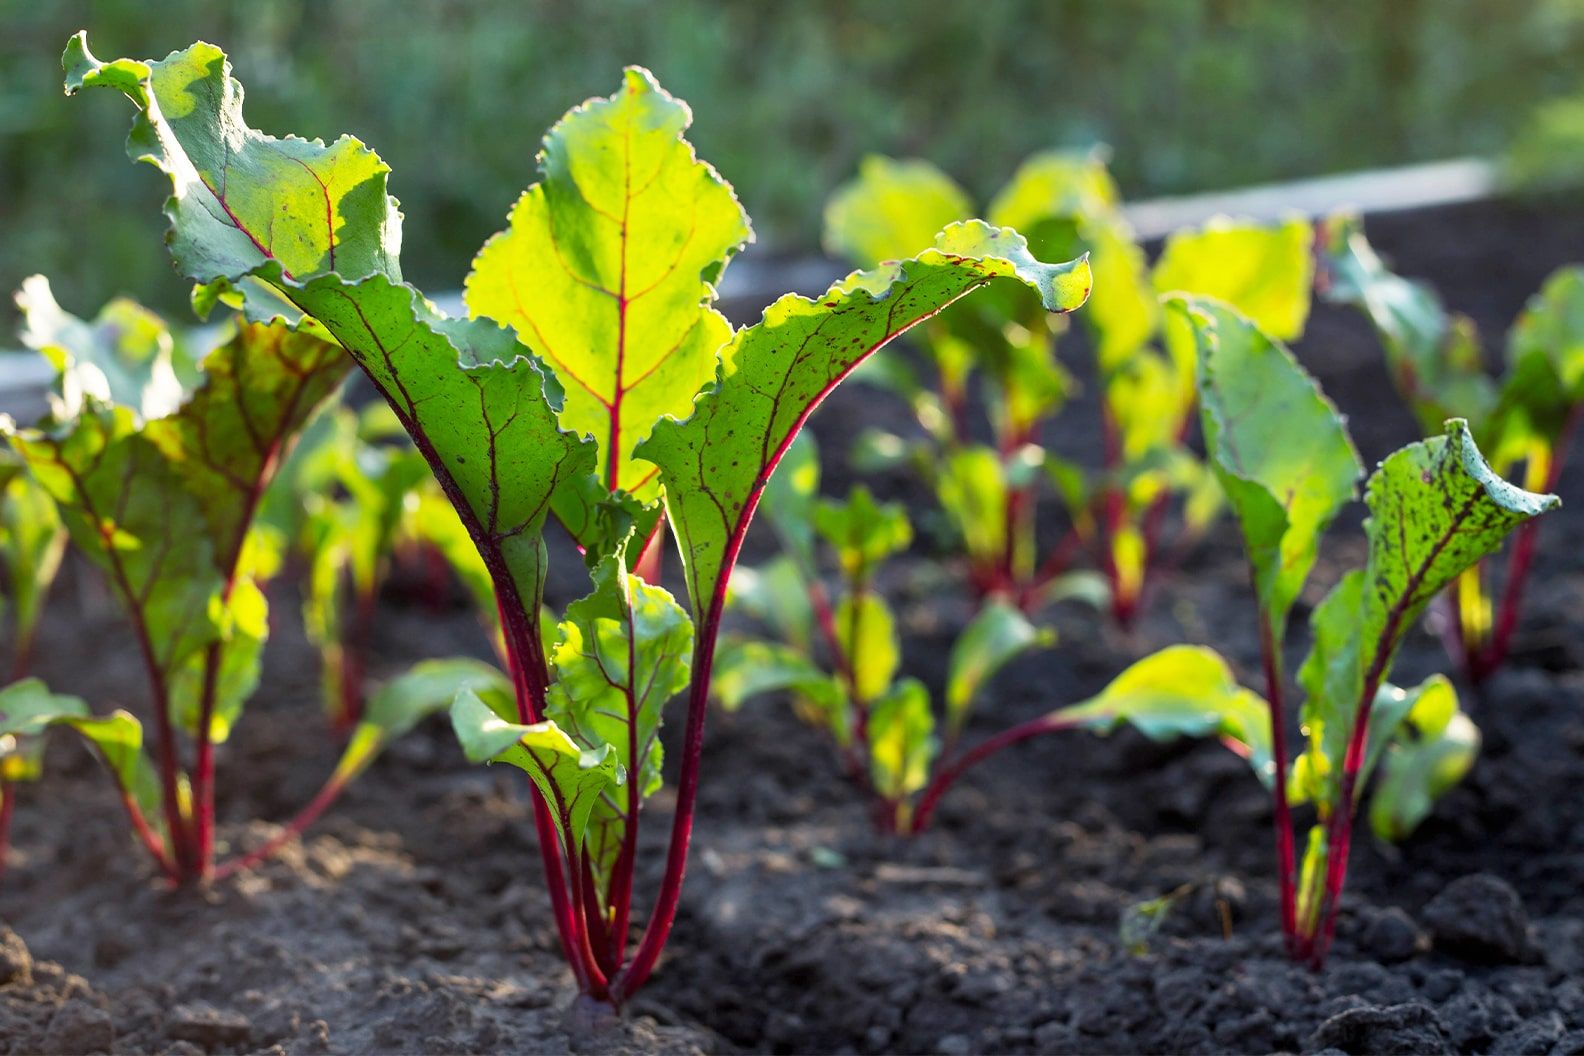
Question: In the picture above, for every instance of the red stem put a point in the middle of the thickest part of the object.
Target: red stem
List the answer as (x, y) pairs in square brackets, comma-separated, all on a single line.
[(947, 775), (289, 832), (1286, 857)]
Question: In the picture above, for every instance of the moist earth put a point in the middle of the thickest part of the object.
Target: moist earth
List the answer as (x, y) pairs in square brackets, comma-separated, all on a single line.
[(413, 919)]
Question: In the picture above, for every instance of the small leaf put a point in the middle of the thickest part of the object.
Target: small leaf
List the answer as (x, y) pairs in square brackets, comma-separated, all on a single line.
[(992, 639), (791, 497), (868, 634), (778, 596), (1431, 752), (571, 779), (973, 491), (747, 669), (33, 541), (1182, 691), (902, 742)]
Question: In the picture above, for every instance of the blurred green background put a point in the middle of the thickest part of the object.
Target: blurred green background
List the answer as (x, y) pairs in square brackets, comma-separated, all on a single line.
[(1191, 95)]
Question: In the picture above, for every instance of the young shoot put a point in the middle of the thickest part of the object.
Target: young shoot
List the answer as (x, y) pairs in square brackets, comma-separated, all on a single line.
[(1284, 457)]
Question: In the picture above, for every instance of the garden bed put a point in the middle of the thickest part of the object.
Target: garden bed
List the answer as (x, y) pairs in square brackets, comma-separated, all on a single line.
[(413, 917)]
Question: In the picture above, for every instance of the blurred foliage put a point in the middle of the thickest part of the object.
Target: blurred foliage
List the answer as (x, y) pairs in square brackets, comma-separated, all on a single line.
[(1191, 94)]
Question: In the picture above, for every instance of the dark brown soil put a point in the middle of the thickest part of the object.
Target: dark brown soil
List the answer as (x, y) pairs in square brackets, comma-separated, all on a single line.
[(413, 919)]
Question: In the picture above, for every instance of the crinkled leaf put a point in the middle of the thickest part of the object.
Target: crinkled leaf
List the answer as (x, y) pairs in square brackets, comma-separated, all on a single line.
[(902, 742), (316, 223), (890, 209), (715, 464), (1182, 691), (993, 638), (1278, 446), (571, 779), (607, 269), (1434, 358), (1435, 509), (868, 634)]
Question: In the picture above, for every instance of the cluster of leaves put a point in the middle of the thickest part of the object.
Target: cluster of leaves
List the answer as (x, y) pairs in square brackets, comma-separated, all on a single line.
[(1526, 419), (1065, 204), (839, 654), (594, 376), (158, 454)]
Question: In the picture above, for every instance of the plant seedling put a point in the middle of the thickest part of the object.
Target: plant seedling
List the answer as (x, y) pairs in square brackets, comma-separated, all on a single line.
[(883, 726), (158, 486), (1284, 457), (617, 383), (1526, 419), (1066, 204)]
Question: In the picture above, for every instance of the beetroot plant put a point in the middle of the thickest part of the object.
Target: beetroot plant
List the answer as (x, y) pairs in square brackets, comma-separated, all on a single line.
[(158, 485), (1065, 204), (617, 384), (1288, 466), (839, 653), (1526, 419)]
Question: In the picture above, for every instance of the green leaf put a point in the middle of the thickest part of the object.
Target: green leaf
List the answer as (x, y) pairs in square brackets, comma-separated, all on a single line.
[(868, 634), (890, 209), (1263, 271), (32, 540), (863, 532), (1278, 446), (128, 512), (773, 374), (1434, 358), (1055, 183), (1552, 326), (571, 779), (1435, 509), (973, 491), (1182, 691), (28, 709), (748, 669), (993, 638), (427, 688), (607, 269), (902, 742), (125, 356), (624, 651), (1432, 751)]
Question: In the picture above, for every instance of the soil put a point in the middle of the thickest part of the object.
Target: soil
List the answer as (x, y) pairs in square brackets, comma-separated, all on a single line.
[(413, 919)]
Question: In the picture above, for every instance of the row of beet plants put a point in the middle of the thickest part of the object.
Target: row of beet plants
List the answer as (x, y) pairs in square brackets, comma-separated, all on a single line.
[(595, 385)]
